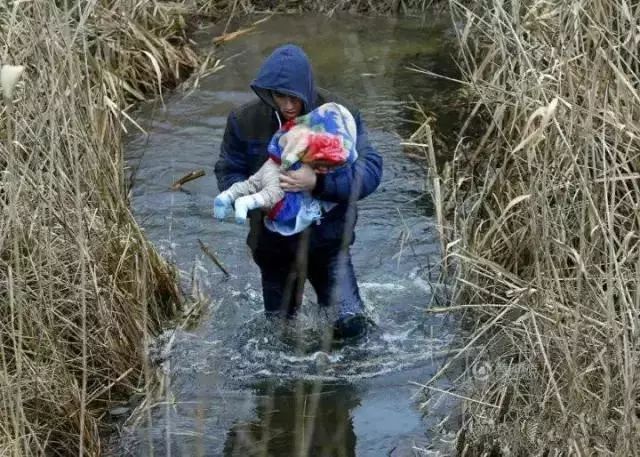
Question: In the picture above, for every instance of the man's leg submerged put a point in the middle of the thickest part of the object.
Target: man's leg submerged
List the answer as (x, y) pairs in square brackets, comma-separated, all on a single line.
[(279, 283), (333, 278)]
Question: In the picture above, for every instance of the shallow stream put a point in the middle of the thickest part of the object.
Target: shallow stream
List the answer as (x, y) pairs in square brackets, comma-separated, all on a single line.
[(235, 385)]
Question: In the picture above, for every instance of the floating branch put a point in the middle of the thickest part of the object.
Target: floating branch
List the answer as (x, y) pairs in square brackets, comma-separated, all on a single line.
[(232, 35), (213, 257), (186, 178)]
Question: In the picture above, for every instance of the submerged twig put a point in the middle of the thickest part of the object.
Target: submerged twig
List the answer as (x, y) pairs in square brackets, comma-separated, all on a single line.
[(213, 257), (186, 178)]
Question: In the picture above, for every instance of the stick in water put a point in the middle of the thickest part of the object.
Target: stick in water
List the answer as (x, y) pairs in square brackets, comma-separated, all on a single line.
[(213, 257), (186, 178)]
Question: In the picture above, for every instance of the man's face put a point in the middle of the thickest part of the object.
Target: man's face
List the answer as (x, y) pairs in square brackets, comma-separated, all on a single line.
[(288, 105)]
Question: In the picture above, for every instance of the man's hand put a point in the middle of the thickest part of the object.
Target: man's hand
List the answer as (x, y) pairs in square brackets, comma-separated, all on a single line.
[(302, 179)]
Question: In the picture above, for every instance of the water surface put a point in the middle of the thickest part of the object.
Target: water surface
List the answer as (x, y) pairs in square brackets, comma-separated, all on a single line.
[(237, 385)]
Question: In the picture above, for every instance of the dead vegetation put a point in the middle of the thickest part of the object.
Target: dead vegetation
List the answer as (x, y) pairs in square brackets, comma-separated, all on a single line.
[(543, 226), (80, 287)]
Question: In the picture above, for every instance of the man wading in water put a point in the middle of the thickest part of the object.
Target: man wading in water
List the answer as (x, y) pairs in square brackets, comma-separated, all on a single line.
[(286, 89)]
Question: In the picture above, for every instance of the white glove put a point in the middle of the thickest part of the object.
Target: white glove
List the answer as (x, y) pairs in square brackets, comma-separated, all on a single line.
[(244, 204), (222, 205)]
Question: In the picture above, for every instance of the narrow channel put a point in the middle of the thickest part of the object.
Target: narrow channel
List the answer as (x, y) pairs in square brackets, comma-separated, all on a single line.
[(236, 387)]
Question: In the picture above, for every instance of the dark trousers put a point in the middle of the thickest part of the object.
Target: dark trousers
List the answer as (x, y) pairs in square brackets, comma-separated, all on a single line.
[(286, 268)]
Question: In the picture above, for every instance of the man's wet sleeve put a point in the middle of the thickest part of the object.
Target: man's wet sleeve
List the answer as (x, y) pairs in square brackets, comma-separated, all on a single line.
[(356, 181), (232, 165)]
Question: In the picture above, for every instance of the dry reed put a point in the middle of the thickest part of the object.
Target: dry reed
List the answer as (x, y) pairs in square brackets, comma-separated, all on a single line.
[(543, 212), (327, 7), (80, 287)]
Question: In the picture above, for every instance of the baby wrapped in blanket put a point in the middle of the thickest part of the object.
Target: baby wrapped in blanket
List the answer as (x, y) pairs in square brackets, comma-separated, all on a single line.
[(325, 137)]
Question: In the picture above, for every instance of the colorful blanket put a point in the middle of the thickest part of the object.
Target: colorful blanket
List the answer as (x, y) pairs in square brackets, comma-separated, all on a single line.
[(325, 137)]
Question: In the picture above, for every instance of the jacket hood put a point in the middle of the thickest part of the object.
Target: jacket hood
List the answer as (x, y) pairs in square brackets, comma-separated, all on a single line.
[(286, 70)]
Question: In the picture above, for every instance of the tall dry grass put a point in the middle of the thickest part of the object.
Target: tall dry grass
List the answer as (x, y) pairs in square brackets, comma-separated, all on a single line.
[(543, 226), (327, 7), (80, 287)]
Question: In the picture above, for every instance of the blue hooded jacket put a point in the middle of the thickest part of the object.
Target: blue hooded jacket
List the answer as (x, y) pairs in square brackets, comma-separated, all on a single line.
[(250, 128), (288, 71)]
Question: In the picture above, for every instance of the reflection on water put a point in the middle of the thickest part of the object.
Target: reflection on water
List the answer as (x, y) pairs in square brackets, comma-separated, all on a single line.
[(235, 384), (303, 418)]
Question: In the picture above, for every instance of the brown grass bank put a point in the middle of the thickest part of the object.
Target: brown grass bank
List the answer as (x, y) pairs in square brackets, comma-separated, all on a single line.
[(80, 287), (325, 6), (543, 226)]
